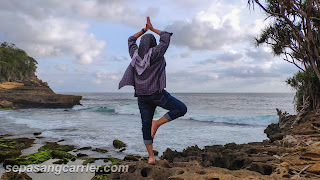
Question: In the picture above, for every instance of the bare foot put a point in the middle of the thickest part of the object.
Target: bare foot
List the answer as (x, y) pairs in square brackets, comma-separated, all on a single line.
[(154, 128), (152, 160)]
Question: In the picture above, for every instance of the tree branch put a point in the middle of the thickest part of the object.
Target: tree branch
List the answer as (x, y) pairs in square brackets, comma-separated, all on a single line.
[(292, 62)]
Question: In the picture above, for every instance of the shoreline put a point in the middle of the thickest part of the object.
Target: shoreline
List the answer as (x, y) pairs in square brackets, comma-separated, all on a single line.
[(82, 154), (294, 154)]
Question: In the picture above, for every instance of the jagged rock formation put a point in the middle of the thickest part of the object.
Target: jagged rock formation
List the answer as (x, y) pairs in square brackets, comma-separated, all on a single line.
[(287, 125), (33, 93), (164, 170)]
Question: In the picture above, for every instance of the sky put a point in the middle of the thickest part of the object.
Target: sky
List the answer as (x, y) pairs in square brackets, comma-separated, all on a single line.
[(81, 45)]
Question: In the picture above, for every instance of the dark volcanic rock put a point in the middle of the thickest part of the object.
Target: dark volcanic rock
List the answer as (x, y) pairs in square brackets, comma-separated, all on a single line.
[(15, 175), (164, 170), (37, 97), (306, 126), (11, 148), (118, 144), (130, 157), (81, 155), (253, 156), (273, 132)]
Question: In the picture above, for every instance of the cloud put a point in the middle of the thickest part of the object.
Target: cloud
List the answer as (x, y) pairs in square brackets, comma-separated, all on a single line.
[(115, 11), (232, 77), (54, 28), (103, 76), (185, 55), (61, 67), (259, 54), (217, 32), (214, 29), (249, 72), (201, 35), (225, 57), (119, 58), (221, 26), (192, 3)]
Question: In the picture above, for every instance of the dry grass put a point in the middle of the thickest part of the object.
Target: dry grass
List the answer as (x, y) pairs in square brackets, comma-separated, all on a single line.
[(10, 85)]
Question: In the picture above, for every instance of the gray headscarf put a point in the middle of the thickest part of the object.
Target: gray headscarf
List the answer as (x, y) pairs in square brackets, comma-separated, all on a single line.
[(141, 57), (147, 41)]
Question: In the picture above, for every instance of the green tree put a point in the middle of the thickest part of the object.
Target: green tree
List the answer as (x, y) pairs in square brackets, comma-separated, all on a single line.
[(294, 33), (15, 64), (302, 82)]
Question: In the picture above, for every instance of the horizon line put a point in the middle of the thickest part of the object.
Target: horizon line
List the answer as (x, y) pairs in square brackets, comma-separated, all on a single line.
[(184, 92)]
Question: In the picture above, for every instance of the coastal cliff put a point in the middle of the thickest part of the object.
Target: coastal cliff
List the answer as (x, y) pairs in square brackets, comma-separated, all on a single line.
[(33, 93), (21, 88)]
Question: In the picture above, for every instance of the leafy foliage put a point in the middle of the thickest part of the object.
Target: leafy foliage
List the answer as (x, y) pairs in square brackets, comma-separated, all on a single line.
[(302, 82), (294, 33), (15, 64)]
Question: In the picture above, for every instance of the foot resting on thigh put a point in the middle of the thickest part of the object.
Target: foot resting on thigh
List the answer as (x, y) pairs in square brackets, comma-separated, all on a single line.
[(156, 124)]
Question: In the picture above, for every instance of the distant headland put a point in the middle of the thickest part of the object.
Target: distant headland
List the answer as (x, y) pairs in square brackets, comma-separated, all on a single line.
[(21, 88)]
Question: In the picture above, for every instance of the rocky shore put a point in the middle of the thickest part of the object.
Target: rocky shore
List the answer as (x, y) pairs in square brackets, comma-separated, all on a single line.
[(33, 93), (293, 151)]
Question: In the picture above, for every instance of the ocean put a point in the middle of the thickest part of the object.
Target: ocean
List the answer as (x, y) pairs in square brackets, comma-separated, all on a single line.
[(212, 118)]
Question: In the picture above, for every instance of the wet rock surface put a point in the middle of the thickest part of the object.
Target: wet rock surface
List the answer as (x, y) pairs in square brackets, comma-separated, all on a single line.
[(11, 148)]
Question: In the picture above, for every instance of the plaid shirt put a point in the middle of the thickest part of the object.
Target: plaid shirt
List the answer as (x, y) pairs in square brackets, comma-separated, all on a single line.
[(154, 77)]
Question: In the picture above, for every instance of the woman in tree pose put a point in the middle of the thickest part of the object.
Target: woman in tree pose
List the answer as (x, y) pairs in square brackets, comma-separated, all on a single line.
[(147, 74)]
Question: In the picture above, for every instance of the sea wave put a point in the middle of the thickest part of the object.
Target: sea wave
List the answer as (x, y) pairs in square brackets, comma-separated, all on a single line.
[(102, 109), (4, 112), (131, 109), (234, 120)]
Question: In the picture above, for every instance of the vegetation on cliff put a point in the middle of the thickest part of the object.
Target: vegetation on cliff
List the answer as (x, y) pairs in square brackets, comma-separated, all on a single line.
[(15, 64), (21, 88), (305, 83), (294, 33)]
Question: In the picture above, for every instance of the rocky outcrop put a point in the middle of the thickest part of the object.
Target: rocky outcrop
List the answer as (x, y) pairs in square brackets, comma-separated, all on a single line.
[(119, 144), (11, 148), (15, 176), (309, 124), (6, 104), (293, 152), (35, 94), (257, 157), (164, 170)]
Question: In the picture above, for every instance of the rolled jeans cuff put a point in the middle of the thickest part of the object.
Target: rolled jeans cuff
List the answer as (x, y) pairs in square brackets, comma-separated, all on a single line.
[(167, 117), (148, 141)]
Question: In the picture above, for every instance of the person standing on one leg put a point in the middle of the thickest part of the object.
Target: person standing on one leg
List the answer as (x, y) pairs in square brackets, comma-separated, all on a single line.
[(147, 74)]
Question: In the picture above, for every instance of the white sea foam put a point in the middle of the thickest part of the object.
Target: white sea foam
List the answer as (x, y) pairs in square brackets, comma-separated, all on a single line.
[(211, 119)]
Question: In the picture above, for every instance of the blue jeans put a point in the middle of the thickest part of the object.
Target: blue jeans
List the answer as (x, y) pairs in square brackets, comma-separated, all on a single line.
[(147, 105)]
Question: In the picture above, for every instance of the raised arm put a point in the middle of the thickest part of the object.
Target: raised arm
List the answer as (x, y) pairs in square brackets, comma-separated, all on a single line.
[(138, 34), (163, 45), (149, 25), (132, 40)]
